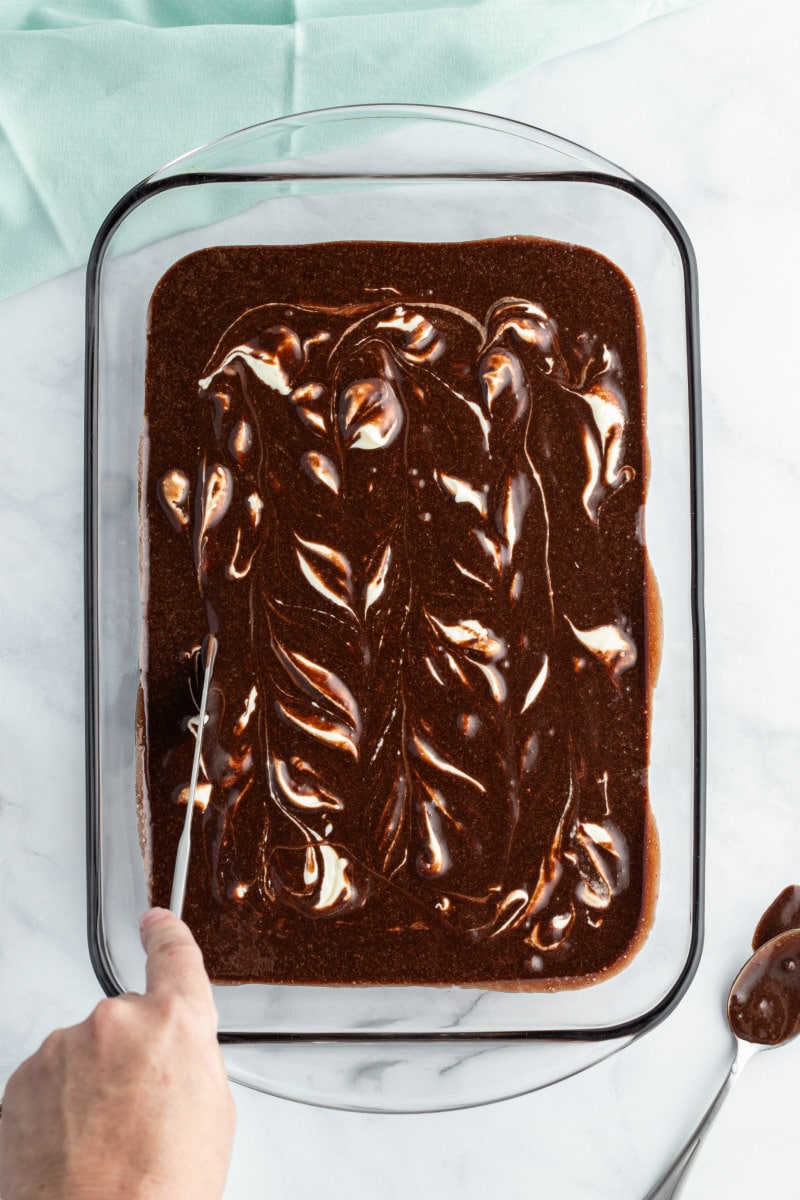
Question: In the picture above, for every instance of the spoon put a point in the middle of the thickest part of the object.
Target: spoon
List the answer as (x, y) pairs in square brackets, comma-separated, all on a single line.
[(763, 1012)]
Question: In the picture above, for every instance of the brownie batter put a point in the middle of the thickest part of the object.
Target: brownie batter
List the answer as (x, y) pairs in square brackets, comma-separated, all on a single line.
[(764, 1004), (404, 485), (783, 914)]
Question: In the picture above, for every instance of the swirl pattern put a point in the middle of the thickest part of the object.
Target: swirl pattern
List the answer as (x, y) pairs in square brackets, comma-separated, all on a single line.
[(430, 709)]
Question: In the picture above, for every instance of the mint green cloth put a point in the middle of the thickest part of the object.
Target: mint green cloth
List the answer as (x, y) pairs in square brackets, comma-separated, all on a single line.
[(96, 94)]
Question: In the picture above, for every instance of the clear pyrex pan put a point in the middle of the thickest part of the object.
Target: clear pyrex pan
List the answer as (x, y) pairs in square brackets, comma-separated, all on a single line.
[(397, 174)]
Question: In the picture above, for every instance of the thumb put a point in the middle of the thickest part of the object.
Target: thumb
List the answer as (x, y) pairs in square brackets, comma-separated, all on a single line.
[(174, 961)]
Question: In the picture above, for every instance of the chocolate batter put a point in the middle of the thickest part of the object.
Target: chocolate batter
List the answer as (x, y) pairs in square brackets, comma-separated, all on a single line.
[(783, 914), (764, 1004), (404, 485)]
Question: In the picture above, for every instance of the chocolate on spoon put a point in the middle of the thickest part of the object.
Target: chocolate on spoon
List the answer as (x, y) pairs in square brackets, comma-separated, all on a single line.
[(764, 1002), (782, 915)]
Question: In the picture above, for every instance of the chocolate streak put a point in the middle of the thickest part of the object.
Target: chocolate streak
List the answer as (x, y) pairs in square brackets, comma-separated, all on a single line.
[(411, 512)]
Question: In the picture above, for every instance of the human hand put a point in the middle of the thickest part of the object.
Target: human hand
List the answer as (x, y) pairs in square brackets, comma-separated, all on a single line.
[(133, 1102)]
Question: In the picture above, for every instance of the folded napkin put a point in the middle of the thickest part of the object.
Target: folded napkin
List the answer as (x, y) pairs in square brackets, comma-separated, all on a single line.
[(96, 94)]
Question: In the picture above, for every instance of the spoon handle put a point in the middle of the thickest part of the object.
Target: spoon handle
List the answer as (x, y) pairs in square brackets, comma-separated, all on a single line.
[(671, 1184)]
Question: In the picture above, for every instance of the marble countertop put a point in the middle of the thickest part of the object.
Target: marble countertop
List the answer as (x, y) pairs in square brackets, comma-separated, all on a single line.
[(704, 106)]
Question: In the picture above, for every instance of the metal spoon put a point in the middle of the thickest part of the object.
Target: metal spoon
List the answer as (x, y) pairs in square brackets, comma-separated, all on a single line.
[(671, 1184), (764, 1008), (209, 653)]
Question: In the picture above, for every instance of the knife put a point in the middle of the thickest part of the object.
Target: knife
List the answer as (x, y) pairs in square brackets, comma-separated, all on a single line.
[(209, 654)]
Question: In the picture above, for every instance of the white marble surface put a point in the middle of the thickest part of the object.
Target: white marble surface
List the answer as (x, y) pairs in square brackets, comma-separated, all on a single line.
[(705, 107)]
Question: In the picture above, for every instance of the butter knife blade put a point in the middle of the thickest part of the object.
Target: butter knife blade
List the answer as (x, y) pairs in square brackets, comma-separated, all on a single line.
[(209, 652)]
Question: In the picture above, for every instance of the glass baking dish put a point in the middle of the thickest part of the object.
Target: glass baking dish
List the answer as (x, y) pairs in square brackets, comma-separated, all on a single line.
[(394, 173)]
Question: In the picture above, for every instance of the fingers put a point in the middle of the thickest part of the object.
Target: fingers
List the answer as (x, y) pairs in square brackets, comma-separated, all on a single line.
[(174, 962)]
